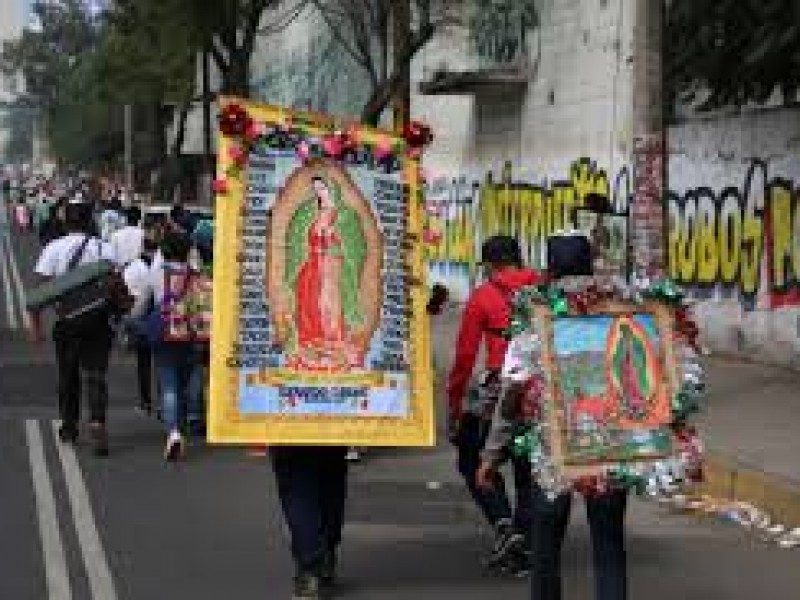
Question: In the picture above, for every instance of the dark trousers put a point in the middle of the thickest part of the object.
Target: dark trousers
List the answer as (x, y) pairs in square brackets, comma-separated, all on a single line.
[(494, 503), (606, 514), (144, 372), (82, 363), (312, 485)]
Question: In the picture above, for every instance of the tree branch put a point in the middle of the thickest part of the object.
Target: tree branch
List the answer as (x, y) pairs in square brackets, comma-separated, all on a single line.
[(340, 38), (383, 92)]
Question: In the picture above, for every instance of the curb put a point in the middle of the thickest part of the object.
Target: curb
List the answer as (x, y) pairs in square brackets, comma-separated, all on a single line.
[(729, 479)]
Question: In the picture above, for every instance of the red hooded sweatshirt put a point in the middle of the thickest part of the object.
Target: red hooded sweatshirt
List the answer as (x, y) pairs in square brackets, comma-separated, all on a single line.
[(486, 315)]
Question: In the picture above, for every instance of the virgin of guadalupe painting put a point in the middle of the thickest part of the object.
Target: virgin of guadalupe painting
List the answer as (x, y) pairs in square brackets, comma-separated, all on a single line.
[(610, 381), (324, 270)]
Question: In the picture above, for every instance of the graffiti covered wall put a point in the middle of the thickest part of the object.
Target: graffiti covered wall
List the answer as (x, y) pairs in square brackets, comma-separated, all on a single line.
[(734, 229), (464, 211)]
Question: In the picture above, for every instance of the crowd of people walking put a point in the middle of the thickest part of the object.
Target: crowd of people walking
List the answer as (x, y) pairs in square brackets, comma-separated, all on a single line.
[(77, 226)]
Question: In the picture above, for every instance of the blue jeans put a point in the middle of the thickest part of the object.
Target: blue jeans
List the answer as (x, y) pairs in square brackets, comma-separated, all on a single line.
[(494, 503), (549, 518), (181, 376), (312, 486)]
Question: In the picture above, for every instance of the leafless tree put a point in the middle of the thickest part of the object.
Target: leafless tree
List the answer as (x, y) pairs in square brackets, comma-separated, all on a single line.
[(382, 37)]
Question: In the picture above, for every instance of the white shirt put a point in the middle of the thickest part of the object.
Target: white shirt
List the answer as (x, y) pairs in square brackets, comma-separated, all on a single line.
[(152, 286), (137, 277), (55, 257), (127, 244), (110, 221)]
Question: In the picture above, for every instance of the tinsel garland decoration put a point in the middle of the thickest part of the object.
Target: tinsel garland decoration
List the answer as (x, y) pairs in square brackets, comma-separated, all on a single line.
[(656, 478)]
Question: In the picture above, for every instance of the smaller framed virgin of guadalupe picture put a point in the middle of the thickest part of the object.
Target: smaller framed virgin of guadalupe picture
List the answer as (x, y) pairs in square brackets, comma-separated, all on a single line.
[(319, 328), (611, 375)]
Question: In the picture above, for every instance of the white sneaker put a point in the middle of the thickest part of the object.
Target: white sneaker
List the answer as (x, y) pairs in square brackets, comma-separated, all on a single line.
[(174, 447)]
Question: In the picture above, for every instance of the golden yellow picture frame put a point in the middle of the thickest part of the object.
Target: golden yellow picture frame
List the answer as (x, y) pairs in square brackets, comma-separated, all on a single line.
[(305, 368)]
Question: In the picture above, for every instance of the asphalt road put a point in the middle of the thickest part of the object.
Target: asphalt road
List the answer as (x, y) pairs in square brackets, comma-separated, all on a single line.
[(130, 527)]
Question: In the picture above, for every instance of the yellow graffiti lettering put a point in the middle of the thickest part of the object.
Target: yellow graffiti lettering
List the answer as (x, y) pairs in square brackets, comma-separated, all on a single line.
[(796, 239), (752, 245), (674, 239), (781, 221), (730, 240), (687, 242), (707, 257), (587, 179)]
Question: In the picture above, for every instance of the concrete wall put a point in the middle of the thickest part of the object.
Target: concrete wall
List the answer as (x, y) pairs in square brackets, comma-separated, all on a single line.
[(734, 233), (577, 102)]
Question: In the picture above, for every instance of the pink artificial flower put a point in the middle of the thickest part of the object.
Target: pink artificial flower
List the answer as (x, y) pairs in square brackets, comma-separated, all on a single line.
[(304, 151), (383, 149), (237, 155)]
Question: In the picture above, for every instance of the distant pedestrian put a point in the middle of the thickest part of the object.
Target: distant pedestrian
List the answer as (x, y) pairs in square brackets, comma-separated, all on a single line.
[(83, 345), (110, 219), (137, 277), (54, 226), (128, 240)]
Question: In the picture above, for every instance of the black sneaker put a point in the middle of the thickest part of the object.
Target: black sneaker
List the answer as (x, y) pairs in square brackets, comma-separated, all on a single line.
[(146, 408), (68, 433), (506, 543), (307, 586), (327, 569), (99, 439), (517, 565)]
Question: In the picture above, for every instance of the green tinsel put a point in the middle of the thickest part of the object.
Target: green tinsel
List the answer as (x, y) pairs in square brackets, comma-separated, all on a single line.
[(666, 291)]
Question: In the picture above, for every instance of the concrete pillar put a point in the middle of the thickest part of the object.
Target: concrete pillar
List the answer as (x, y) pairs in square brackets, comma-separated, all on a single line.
[(648, 212)]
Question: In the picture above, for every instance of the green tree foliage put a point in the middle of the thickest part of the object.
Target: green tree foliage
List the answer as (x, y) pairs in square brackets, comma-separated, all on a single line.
[(57, 58), (144, 55), (731, 52)]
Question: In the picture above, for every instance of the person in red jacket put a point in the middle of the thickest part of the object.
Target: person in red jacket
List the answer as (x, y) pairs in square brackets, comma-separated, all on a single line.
[(470, 407)]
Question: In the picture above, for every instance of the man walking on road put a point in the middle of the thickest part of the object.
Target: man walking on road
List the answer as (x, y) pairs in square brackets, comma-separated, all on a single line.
[(486, 316), (312, 485), (80, 350)]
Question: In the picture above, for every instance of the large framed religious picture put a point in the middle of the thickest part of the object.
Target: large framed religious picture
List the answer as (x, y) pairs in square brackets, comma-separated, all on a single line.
[(610, 377), (319, 329)]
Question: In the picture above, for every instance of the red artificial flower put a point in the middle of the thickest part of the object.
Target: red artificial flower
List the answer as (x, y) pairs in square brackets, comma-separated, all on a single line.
[(234, 120), (431, 237), (417, 135), (220, 186), (333, 146), (254, 130)]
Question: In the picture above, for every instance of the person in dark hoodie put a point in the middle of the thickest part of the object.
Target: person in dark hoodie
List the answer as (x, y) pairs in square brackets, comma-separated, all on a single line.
[(485, 318)]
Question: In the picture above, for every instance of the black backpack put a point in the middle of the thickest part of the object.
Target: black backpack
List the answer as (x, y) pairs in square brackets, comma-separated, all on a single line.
[(93, 304)]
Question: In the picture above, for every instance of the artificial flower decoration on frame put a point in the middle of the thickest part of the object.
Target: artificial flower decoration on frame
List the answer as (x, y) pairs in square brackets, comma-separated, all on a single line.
[(340, 142), (234, 121)]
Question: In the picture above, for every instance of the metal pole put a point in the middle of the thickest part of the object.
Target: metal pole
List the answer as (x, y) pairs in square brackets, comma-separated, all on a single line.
[(128, 117), (208, 153)]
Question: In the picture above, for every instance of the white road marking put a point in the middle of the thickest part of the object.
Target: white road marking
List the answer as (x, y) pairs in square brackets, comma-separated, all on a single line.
[(55, 564), (101, 582), (7, 285), (12, 257)]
